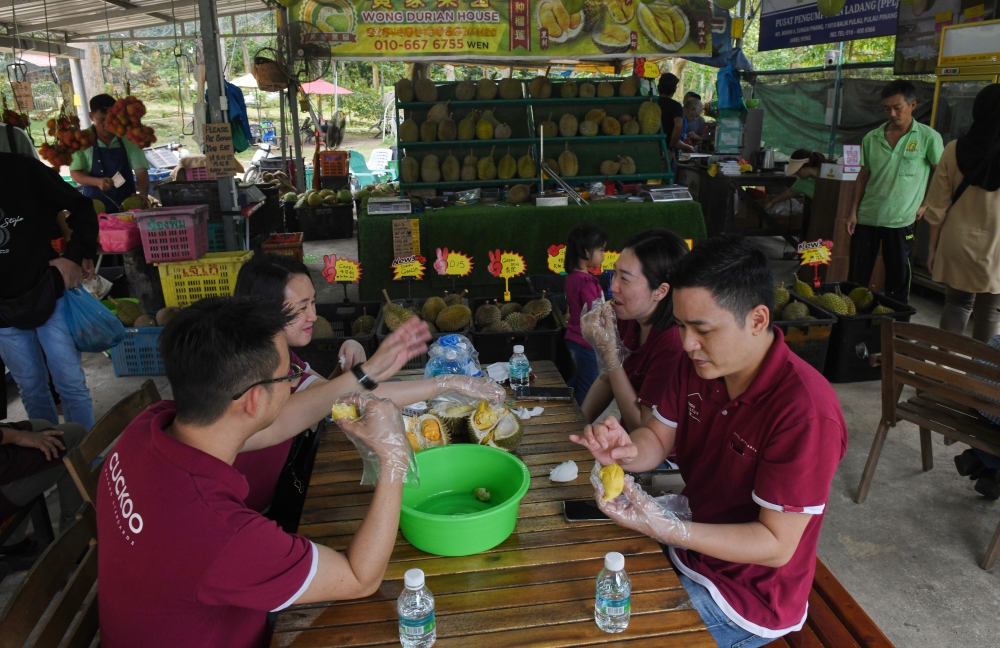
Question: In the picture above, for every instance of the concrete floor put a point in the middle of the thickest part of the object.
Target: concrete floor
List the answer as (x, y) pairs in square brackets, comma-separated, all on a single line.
[(909, 555)]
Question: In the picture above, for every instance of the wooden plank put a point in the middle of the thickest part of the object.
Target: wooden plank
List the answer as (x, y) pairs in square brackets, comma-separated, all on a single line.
[(830, 630), (944, 422), (860, 625), (957, 395), (949, 381), (945, 340), (804, 638), (959, 363)]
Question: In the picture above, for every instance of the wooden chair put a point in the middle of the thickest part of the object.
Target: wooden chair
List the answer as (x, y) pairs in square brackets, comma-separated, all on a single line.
[(86, 460), (38, 511), (955, 378), (58, 598)]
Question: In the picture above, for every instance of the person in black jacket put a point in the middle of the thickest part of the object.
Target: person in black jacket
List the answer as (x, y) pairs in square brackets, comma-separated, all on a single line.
[(33, 278)]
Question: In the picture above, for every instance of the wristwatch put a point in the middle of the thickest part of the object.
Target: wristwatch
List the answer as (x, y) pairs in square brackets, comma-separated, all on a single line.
[(363, 378)]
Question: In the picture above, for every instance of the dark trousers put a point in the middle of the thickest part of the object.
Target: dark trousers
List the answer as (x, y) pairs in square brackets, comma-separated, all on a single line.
[(897, 245)]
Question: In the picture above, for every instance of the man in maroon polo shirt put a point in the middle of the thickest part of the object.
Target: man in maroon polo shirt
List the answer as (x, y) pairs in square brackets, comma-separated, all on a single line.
[(758, 435), (182, 562)]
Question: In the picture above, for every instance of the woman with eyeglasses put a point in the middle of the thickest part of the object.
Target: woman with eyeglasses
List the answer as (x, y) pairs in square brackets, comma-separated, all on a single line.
[(284, 279)]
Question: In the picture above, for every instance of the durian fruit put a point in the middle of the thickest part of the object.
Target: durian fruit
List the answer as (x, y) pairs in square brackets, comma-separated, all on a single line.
[(438, 112), (605, 89), (624, 118), (568, 125), (144, 321), (833, 303), (364, 325), (510, 307), (649, 117), (588, 128), (408, 130), (487, 314), (486, 90), (628, 165), (882, 310), (613, 479), (852, 308), (552, 164), (803, 288), (453, 299), (596, 115), (526, 167), (432, 327), (521, 322), (482, 494), (128, 312), (568, 89), (629, 87), (482, 420), (467, 127), (610, 167), (453, 318), (510, 89), (568, 163), (502, 131), (507, 168), (594, 13), (465, 91), (424, 89), (484, 129), (404, 90), (428, 131), (431, 431), (781, 297), (498, 428), (455, 417), (430, 169), (630, 128), (409, 169), (518, 194), (499, 327), (540, 87), (410, 424), (469, 167), (451, 170), (540, 308), (588, 90), (862, 298), (795, 311), (344, 412), (322, 328), (486, 169), (432, 308), (488, 116), (548, 128), (447, 129), (164, 315), (610, 126), (394, 314)]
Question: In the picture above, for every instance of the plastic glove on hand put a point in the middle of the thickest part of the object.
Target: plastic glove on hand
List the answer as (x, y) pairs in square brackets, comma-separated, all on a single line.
[(665, 518), (481, 389), (380, 437), (599, 327)]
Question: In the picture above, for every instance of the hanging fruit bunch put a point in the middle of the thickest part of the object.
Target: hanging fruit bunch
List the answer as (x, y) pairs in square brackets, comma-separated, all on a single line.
[(68, 140), (125, 120), (14, 118)]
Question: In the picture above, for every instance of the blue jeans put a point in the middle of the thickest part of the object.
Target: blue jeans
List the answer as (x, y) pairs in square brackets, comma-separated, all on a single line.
[(989, 460), (726, 633), (585, 360), (22, 352)]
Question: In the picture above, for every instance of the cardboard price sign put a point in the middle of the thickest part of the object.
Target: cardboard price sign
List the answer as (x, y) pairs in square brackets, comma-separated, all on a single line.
[(219, 151), (405, 237), (22, 95), (410, 267), (557, 259), (452, 263), (341, 270), (610, 259), (815, 253)]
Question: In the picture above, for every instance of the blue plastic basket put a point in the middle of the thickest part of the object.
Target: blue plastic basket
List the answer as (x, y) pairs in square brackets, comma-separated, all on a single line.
[(139, 353), (217, 237)]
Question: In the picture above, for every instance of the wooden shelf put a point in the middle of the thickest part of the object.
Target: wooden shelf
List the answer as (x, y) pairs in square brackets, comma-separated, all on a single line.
[(514, 141), (472, 184), (551, 101)]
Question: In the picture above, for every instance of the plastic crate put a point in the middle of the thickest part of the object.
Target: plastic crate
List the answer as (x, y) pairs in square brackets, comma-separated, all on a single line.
[(139, 353), (323, 354), (808, 339), (418, 362), (271, 165), (285, 244), (542, 343), (213, 275), (217, 236), (334, 163), (201, 192), (192, 174), (856, 338), (173, 233), (326, 222)]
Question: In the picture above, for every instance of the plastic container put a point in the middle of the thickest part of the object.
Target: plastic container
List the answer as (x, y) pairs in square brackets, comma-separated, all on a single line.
[(442, 515), (326, 222), (520, 369), (613, 602), (856, 338), (334, 163), (139, 353), (201, 192), (542, 343), (415, 607), (809, 339), (192, 174), (418, 362), (213, 275), (110, 305), (284, 244), (173, 233), (323, 354)]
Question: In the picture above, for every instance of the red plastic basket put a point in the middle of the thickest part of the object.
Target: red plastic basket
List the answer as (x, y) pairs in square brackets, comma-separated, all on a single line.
[(334, 163), (174, 233), (196, 173), (285, 244)]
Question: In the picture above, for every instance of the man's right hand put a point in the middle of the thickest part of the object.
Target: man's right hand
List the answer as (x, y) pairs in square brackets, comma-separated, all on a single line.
[(404, 343), (72, 274), (852, 222), (104, 184), (608, 442), (380, 427)]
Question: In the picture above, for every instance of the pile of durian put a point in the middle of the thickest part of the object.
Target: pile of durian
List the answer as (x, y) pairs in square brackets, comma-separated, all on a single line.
[(512, 317), (453, 422)]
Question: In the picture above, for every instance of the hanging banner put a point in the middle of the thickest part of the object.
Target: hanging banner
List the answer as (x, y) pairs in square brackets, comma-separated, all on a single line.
[(542, 29), (794, 23), (918, 29)]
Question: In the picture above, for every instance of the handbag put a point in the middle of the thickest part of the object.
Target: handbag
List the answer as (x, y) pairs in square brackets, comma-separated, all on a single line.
[(268, 74), (93, 327)]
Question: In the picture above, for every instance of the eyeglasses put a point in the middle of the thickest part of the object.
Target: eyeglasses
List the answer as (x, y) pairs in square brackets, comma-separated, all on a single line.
[(294, 375)]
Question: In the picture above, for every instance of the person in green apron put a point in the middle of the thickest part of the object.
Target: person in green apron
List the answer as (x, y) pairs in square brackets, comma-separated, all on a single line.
[(804, 165), (105, 170)]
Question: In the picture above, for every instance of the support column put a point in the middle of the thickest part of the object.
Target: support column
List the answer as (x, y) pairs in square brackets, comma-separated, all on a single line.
[(80, 90)]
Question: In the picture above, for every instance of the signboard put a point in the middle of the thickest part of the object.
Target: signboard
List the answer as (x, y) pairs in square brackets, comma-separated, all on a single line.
[(410, 267), (341, 270), (452, 263), (794, 23), (22, 95), (541, 29), (219, 151), (405, 237), (919, 25)]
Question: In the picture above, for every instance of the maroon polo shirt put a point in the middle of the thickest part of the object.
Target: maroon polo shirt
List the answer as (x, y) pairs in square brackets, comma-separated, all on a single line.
[(181, 561), (650, 366), (263, 467), (777, 446)]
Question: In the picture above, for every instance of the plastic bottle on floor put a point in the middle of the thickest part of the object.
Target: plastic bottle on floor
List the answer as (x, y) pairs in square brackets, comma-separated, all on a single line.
[(416, 612), (612, 606), (519, 368)]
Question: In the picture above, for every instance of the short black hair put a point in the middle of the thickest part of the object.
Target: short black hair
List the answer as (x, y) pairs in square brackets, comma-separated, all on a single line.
[(658, 250), (900, 87), (216, 347), (667, 85), (731, 268), (265, 275), (101, 103), (692, 95), (583, 239)]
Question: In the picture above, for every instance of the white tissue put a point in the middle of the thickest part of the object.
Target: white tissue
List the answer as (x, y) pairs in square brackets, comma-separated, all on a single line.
[(524, 413), (564, 472), (499, 371)]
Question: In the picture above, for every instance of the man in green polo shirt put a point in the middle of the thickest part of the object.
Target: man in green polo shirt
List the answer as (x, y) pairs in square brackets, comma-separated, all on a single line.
[(896, 161)]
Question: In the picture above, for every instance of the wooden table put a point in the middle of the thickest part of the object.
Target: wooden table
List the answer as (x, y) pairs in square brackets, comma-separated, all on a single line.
[(534, 589)]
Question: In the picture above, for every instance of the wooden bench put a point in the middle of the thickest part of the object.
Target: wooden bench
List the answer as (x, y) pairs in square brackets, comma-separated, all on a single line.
[(38, 511), (955, 378)]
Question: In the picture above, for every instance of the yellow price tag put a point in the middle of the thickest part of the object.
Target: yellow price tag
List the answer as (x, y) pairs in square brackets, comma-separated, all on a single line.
[(512, 265), (557, 259), (610, 258), (818, 252), (348, 271), (408, 268)]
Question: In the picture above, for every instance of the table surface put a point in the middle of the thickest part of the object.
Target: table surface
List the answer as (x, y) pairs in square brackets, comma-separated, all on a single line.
[(534, 589)]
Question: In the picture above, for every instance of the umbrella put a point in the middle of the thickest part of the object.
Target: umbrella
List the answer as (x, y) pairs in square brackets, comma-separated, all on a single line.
[(245, 81), (322, 87)]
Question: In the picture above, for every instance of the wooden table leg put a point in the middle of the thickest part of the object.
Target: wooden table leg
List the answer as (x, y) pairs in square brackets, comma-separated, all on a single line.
[(926, 450)]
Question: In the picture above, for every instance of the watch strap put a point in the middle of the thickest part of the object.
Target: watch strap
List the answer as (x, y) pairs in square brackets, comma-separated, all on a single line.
[(363, 378)]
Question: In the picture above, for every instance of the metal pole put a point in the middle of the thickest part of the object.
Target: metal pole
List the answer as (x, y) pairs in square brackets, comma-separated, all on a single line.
[(80, 90), (336, 86), (218, 110), (300, 171), (836, 102)]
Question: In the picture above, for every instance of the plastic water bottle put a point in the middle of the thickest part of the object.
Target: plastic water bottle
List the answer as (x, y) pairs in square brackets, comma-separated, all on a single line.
[(416, 612), (613, 605), (519, 368)]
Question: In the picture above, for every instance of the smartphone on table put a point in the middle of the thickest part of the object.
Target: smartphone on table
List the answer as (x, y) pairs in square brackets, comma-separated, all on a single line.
[(544, 393), (582, 511)]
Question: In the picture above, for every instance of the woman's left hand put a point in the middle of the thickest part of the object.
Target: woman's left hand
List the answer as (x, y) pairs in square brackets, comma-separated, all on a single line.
[(351, 353)]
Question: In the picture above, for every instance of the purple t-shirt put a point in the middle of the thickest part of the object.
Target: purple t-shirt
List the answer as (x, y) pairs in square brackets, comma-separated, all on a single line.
[(582, 289)]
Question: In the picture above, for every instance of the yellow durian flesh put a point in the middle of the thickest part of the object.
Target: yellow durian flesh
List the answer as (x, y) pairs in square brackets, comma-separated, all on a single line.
[(485, 417), (613, 478), (431, 430), (346, 411)]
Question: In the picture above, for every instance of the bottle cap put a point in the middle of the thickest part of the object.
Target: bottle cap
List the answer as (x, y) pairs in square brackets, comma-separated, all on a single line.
[(414, 578), (518, 348), (614, 561)]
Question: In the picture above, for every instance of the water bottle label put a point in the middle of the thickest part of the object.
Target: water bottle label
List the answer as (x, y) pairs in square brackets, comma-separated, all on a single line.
[(416, 627), (614, 608)]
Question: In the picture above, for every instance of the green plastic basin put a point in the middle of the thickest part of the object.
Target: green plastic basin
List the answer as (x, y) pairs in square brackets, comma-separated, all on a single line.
[(442, 515)]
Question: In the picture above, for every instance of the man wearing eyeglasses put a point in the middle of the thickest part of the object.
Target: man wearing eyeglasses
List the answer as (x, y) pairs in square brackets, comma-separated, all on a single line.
[(182, 561)]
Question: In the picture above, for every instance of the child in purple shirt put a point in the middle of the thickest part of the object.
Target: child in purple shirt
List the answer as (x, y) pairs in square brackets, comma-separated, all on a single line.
[(584, 252)]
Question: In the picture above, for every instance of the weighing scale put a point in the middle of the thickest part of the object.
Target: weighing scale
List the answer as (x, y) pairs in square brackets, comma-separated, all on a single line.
[(389, 206), (670, 193)]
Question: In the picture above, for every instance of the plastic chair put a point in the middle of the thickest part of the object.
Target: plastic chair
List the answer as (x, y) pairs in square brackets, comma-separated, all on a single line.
[(269, 134), (361, 172), (378, 159)]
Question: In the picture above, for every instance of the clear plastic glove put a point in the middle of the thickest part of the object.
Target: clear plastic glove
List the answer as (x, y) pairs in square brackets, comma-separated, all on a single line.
[(379, 434), (476, 388), (599, 327), (666, 518)]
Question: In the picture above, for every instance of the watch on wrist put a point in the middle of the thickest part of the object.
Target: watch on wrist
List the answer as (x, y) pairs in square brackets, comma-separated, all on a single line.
[(363, 378)]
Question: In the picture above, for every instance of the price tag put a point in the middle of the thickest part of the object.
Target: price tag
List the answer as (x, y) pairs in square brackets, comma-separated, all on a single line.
[(406, 237), (506, 265), (219, 151), (815, 253), (22, 95), (410, 267), (690, 243), (610, 258), (341, 270), (557, 259), (452, 263)]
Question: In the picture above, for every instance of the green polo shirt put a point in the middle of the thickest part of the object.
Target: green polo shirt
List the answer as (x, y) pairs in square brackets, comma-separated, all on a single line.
[(899, 175), (804, 186), (83, 160)]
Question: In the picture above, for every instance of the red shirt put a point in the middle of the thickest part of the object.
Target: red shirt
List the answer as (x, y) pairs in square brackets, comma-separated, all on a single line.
[(777, 445), (263, 467), (649, 367), (181, 561), (582, 289)]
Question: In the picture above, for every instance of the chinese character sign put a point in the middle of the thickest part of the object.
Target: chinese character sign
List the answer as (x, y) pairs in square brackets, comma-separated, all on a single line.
[(411, 267)]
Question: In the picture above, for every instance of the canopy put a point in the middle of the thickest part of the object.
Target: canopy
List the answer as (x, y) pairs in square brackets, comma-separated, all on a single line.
[(245, 81), (322, 87)]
